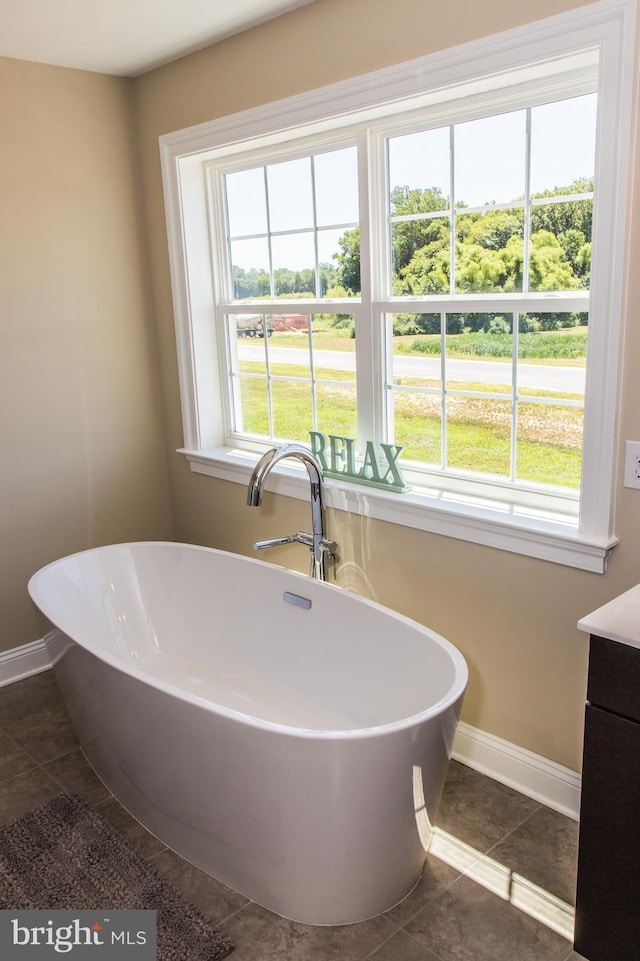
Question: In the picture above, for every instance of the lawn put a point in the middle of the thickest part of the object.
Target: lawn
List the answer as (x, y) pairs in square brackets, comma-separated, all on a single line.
[(567, 347), (548, 443)]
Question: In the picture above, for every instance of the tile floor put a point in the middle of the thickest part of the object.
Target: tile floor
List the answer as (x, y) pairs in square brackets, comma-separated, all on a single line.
[(448, 917)]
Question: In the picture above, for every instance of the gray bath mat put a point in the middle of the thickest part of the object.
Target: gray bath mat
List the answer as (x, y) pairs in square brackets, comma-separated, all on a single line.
[(65, 855)]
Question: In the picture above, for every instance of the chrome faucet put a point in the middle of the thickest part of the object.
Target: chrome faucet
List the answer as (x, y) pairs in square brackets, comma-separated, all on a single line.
[(323, 551)]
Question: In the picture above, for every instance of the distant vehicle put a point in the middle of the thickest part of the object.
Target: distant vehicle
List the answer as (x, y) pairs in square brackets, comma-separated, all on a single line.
[(290, 321), (252, 325)]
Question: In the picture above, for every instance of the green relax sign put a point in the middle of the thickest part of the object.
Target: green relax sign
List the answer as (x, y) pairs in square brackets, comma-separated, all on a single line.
[(379, 468)]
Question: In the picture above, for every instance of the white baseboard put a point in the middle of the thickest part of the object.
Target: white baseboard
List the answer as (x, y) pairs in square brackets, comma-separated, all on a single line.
[(556, 786), (21, 662), (552, 784)]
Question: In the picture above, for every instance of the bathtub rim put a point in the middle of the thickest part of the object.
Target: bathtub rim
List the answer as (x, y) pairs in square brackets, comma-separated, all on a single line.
[(452, 697)]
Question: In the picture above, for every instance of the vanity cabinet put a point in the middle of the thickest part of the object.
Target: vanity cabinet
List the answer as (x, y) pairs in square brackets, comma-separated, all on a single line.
[(608, 884)]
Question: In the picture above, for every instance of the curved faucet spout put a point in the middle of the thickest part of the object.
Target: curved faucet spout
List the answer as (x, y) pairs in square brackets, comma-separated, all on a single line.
[(319, 546)]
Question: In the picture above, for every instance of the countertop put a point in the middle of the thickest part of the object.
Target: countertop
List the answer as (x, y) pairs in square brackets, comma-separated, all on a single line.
[(619, 620)]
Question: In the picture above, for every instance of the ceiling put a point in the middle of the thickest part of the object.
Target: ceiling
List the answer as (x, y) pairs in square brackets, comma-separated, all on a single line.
[(124, 37)]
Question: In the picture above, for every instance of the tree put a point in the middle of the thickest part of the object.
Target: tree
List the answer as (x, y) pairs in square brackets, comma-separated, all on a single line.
[(407, 237), (489, 246), (250, 283), (549, 268), (428, 270), (570, 221), (349, 261)]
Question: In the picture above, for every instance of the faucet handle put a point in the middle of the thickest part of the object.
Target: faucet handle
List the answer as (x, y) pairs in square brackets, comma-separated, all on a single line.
[(330, 551), (275, 542), (329, 547)]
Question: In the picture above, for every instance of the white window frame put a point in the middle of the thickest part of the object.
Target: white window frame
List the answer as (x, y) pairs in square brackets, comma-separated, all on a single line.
[(458, 509)]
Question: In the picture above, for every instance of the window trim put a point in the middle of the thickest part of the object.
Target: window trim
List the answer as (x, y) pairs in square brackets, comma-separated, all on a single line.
[(607, 26)]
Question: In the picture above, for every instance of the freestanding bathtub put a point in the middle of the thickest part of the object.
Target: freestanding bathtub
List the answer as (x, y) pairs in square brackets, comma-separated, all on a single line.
[(286, 736)]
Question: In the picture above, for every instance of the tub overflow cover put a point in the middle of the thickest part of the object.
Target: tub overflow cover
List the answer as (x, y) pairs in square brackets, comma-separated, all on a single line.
[(297, 601)]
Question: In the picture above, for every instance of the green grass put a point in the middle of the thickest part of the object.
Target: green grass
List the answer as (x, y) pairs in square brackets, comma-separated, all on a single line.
[(566, 347), (556, 346), (292, 411), (478, 430), (323, 339)]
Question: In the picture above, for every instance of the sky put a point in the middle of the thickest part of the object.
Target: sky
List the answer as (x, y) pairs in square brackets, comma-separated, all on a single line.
[(489, 167)]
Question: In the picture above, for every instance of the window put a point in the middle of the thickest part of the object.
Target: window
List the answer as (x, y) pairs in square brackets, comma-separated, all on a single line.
[(416, 263), (291, 368)]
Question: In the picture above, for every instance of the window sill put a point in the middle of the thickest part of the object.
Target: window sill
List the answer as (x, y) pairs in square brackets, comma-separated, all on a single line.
[(506, 527)]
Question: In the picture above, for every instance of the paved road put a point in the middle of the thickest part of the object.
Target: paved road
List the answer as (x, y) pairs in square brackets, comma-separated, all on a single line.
[(536, 376)]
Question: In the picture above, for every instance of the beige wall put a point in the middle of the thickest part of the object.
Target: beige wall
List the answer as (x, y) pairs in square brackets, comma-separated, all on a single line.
[(80, 412), (513, 617)]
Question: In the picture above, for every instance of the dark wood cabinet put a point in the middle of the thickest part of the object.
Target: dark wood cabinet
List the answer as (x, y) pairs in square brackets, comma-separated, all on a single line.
[(608, 886)]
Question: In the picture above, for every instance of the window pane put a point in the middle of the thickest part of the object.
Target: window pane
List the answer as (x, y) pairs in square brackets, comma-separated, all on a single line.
[(328, 251), (489, 160), (479, 350), (294, 264), (246, 202), (490, 251), (249, 384), (334, 370), (479, 435), (416, 355), (421, 255), (290, 195), (419, 165), (250, 268), (337, 409), (254, 407), (552, 352), (417, 419), (334, 347), (349, 261), (549, 444), (478, 361), (289, 356), (555, 343), (560, 255), (292, 410), (414, 387), (563, 137), (336, 187)]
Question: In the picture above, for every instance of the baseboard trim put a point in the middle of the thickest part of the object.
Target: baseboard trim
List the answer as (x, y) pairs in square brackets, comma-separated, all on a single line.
[(556, 786), (552, 784), (21, 662)]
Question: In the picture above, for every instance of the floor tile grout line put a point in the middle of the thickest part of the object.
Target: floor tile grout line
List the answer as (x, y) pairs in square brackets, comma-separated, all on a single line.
[(22, 751), (427, 947), (22, 774), (13, 740), (243, 907), (513, 829), (38, 764), (436, 897), (381, 944), (56, 781), (460, 875), (50, 760), (407, 934)]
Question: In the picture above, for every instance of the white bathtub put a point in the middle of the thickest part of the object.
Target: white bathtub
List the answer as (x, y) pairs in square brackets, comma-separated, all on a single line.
[(294, 747)]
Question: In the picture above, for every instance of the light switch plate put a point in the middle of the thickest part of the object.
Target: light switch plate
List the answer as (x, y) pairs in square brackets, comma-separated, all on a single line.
[(632, 464)]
